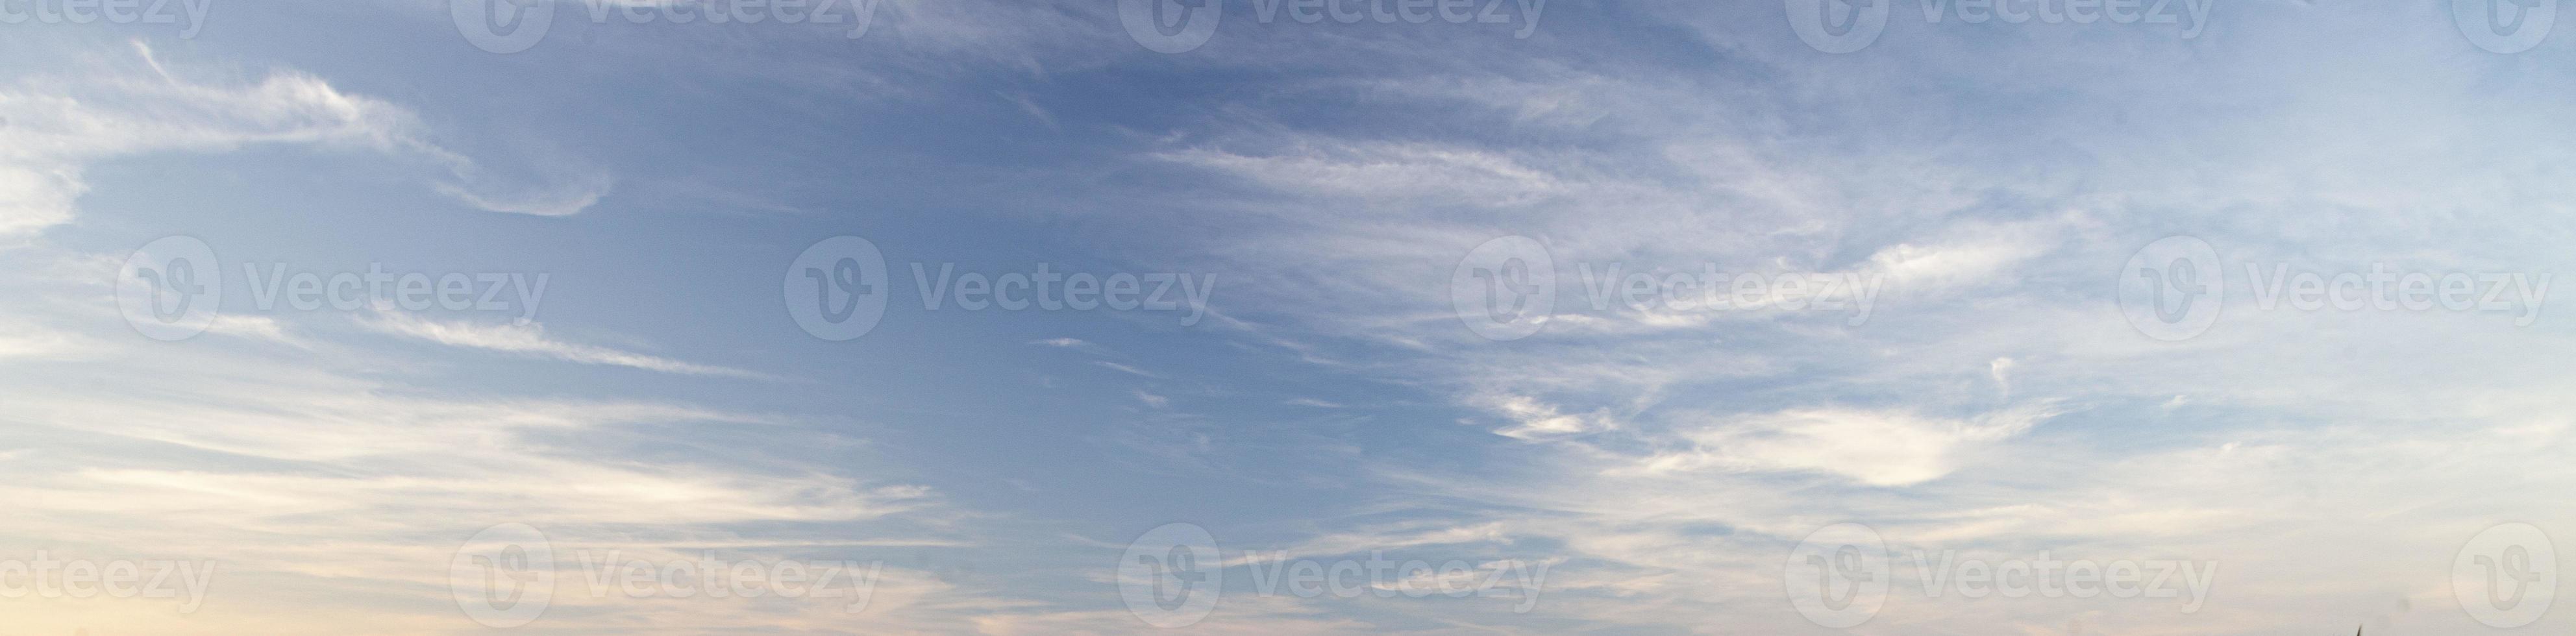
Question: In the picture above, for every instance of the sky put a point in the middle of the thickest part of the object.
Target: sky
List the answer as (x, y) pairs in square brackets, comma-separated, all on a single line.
[(1220, 316)]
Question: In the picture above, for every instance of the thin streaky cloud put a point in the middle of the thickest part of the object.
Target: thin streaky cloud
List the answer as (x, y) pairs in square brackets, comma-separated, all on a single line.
[(531, 340)]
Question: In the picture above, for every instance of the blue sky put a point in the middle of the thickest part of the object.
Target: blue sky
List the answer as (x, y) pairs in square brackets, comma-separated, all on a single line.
[(1994, 183)]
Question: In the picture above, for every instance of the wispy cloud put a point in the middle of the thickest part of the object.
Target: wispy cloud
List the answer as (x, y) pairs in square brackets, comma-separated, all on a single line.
[(530, 339), (1153, 400), (59, 125), (1130, 370)]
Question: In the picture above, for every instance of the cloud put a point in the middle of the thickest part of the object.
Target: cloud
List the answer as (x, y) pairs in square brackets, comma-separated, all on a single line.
[(1878, 448), (564, 198), (1127, 369), (530, 339), (1153, 400), (307, 467), (58, 125), (1382, 171), (1076, 344), (1533, 419), (2001, 369)]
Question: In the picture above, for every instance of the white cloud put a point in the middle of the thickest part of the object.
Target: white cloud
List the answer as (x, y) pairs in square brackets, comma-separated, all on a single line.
[(1127, 369), (530, 339), (58, 125), (2001, 369), (308, 475), (1153, 400), (1382, 172), (1878, 448), (1532, 419)]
